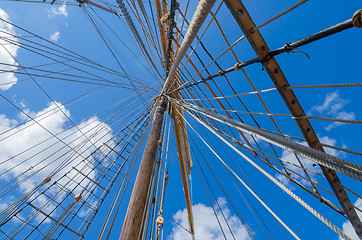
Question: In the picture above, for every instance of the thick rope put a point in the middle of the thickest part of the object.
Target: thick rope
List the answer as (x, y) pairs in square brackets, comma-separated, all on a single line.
[(345, 167), (203, 9), (285, 189), (134, 31)]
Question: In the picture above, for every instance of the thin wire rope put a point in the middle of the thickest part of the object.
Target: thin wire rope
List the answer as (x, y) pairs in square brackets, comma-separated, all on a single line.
[(293, 117), (46, 53), (244, 184), (104, 38), (280, 14), (285, 189), (64, 139), (46, 56), (51, 99), (213, 61), (347, 168), (273, 89), (222, 187)]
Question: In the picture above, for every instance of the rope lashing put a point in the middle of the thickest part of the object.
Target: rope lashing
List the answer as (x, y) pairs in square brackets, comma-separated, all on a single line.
[(357, 19)]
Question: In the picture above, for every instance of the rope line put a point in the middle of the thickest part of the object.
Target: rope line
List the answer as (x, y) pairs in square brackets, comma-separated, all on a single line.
[(348, 168), (285, 189)]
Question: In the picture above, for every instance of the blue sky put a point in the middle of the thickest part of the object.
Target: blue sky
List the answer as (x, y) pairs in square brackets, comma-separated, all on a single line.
[(335, 59)]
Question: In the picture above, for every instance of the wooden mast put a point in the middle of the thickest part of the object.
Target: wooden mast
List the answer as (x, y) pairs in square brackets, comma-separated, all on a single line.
[(132, 224)]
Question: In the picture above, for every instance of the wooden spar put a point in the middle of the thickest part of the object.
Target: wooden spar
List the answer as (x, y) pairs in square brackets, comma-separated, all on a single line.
[(183, 149), (181, 156), (183, 144), (182, 118), (186, 141), (138, 203), (161, 29), (259, 45), (178, 123)]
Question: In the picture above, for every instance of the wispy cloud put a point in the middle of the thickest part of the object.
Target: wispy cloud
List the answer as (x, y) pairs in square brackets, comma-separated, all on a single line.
[(55, 36), (7, 53), (333, 106), (61, 10), (206, 225), (26, 153)]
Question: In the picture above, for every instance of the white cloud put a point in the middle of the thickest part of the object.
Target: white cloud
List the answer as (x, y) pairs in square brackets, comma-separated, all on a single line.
[(341, 115), (347, 226), (7, 53), (308, 164), (55, 36), (332, 103), (333, 106), (41, 164), (62, 10), (206, 225)]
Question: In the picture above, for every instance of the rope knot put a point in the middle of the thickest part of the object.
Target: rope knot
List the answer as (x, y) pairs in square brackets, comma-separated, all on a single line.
[(165, 18)]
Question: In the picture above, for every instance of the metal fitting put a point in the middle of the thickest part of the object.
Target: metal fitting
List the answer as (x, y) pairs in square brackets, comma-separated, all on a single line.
[(237, 67)]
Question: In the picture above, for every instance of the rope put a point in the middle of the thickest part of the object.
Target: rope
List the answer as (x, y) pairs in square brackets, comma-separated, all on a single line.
[(331, 119), (345, 167), (285, 189), (279, 15), (317, 195), (291, 116), (322, 144), (244, 184), (327, 85), (198, 19), (134, 31)]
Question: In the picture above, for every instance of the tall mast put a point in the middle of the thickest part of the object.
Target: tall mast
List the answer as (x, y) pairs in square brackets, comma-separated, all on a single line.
[(132, 224)]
